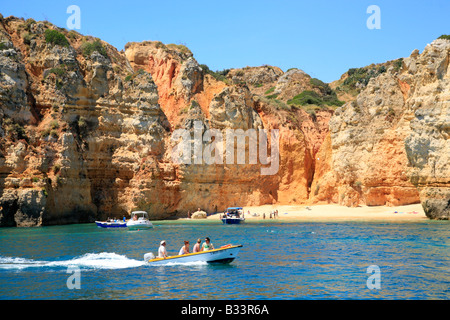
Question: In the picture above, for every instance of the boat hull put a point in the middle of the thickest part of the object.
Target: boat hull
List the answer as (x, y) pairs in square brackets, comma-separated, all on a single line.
[(139, 224), (224, 254), (104, 224), (232, 220)]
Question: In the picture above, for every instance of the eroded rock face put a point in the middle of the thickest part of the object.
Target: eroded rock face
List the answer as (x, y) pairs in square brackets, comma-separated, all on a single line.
[(176, 73), (233, 108), (87, 133), (255, 76), (13, 82), (369, 160), (393, 138), (81, 155), (428, 144), (291, 83), (223, 106)]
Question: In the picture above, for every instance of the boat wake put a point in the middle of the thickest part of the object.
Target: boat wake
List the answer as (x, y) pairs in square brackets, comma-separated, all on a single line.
[(104, 260)]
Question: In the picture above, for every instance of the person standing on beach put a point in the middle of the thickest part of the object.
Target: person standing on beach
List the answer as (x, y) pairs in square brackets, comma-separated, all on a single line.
[(197, 246)]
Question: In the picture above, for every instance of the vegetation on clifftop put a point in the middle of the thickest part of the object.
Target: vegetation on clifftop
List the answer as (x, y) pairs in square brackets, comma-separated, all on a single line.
[(56, 38), (357, 78), (327, 96), (445, 37), (218, 75), (89, 47)]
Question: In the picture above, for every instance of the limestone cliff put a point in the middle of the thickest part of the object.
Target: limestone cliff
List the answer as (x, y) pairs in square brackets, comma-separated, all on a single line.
[(367, 139), (76, 134), (392, 138), (190, 92), (87, 132), (427, 76)]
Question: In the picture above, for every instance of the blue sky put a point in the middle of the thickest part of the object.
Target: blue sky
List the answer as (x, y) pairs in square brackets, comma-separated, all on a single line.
[(323, 38)]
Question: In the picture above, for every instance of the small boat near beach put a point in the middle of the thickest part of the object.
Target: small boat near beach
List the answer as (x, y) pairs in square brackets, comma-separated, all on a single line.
[(111, 223), (234, 215), (224, 254), (139, 219)]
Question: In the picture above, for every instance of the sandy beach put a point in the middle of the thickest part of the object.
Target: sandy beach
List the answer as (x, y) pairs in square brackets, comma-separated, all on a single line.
[(333, 212)]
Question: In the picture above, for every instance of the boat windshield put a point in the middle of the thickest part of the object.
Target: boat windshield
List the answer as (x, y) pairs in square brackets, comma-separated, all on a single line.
[(140, 214), (234, 211)]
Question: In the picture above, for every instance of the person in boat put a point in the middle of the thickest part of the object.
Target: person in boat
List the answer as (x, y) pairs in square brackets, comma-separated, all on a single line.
[(197, 246), (207, 245), (162, 253), (184, 249)]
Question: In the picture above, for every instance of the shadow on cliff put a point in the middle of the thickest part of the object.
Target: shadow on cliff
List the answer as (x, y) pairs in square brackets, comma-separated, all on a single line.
[(98, 168), (8, 206)]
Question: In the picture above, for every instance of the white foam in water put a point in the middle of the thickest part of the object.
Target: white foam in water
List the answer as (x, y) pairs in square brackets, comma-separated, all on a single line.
[(104, 260), (18, 263)]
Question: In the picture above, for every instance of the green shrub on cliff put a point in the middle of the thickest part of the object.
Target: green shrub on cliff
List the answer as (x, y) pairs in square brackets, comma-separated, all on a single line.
[(309, 97), (445, 37), (14, 130), (358, 78), (270, 91), (131, 76), (128, 77), (56, 38), (57, 71), (179, 47), (327, 95), (275, 103), (320, 84), (218, 75), (27, 37), (88, 47), (398, 64), (28, 23), (332, 100), (306, 97)]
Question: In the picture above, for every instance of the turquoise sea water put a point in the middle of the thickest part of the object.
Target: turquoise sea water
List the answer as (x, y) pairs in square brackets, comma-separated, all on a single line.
[(307, 260)]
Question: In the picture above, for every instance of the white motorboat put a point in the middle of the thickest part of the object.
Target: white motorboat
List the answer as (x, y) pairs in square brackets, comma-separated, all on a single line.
[(139, 219), (234, 215), (224, 254)]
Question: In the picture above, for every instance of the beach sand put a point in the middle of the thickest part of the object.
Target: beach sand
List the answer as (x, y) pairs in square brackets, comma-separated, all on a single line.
[(334, 212)]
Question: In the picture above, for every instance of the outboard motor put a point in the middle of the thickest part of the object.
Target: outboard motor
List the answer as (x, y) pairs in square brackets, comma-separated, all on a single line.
[(149, 256)]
